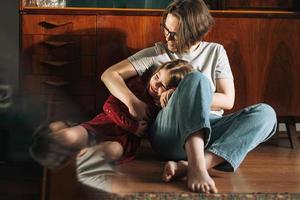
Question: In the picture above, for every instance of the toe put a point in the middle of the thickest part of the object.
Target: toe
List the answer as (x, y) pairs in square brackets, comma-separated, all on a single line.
[(213, 189)]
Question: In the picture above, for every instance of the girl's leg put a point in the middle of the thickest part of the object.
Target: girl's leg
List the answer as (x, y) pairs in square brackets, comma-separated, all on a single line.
[(75, 136), (94, 168)]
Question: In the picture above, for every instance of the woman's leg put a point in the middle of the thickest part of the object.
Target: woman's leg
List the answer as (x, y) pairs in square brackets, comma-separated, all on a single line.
[(197, 175), (177, 170), (234, 135), (182, 129), (250, 126), (187, 112)]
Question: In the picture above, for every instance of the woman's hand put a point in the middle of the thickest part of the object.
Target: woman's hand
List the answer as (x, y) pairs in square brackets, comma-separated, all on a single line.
[(165, 96), (141, 128), (139, 110)]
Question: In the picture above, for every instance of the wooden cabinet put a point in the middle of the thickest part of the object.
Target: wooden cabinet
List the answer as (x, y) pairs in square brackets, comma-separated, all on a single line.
[(66, 54), (59, 63)]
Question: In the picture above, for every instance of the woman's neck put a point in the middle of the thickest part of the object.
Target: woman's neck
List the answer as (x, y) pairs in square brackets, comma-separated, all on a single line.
[(194, 47)]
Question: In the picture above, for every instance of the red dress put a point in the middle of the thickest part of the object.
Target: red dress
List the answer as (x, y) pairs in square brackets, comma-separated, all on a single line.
[(116, 124)]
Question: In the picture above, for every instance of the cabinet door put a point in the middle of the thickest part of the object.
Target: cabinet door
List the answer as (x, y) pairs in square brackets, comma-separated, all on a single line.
[(265, 65)]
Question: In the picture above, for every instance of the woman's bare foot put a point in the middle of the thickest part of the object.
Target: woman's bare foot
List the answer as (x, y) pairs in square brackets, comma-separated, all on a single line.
[(174, 170), (200, 181)]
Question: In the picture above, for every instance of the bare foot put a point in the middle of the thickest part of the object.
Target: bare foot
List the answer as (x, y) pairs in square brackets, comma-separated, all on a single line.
[(174, 170), (200, 181)]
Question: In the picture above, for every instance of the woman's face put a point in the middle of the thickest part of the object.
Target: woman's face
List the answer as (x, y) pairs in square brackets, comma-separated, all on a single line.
[(159, 83), (171, 27)]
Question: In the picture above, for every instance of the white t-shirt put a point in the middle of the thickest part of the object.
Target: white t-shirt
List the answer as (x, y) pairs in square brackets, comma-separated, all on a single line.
[(209, 58)]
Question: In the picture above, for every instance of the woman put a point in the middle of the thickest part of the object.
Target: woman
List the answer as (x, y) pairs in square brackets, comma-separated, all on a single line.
[(191, 127)]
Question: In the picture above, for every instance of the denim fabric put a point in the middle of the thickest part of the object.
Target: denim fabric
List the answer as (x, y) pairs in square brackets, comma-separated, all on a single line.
[(230, 137), (185, 113)]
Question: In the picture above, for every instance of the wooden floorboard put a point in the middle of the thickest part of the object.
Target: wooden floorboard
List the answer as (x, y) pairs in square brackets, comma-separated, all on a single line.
[(272, 167)]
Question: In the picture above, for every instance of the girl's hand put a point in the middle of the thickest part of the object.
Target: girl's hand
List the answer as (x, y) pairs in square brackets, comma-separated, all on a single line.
[(141, 128), (139, 110), (165, 96)]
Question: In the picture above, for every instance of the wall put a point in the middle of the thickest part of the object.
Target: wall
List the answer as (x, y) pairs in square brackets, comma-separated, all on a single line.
[(9, 42)]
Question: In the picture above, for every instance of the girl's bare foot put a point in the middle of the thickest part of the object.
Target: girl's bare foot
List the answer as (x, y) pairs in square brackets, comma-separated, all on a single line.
[(200, 181), (174, 170)]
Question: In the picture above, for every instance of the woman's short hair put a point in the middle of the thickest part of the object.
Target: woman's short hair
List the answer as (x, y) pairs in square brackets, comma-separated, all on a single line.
[(194, 21)]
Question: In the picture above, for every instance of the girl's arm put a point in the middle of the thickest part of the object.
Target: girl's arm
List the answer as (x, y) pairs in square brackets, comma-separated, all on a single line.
[(224, 96), (112, 108), (113, 79)]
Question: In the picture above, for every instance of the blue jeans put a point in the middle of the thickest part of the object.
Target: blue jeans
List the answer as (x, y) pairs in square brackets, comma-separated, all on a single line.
[(230, 137)]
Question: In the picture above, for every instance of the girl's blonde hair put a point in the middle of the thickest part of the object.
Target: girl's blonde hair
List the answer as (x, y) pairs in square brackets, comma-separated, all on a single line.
[(178, 69)]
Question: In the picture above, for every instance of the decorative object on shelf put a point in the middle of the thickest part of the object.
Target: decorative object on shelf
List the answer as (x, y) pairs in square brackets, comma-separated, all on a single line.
[(46, 3)]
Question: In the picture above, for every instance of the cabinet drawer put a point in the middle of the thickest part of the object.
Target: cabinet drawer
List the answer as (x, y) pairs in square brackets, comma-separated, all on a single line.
[(60, 85), (59, 24), (63, 45), (59, 65), (74, 107)]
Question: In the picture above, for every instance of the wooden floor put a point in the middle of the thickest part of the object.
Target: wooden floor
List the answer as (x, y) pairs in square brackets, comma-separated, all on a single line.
[(272, 167)]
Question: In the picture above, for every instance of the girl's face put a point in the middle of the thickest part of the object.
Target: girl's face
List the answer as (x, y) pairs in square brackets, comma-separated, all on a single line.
[(159, 83)]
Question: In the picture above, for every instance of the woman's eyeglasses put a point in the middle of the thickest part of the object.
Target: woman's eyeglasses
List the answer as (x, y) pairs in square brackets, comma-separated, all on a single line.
[(167, 32)]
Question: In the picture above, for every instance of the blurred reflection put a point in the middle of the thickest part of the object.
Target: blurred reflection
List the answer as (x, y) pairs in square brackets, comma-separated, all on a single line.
[(5, 96), (56, 144), (94, 170)]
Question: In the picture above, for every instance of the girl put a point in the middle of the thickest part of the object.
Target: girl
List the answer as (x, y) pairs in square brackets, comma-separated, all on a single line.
[(113, 135)]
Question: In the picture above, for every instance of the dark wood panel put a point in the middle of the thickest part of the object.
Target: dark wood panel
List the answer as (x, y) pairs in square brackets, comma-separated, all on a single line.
[(259, 4), (264, 59), (237, 38), (121, 36), (278, 61)]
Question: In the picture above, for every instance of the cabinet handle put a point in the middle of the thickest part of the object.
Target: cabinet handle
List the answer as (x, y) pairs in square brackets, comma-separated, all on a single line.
[(49, 25), (56, 63), (57, 43), (57, 83)]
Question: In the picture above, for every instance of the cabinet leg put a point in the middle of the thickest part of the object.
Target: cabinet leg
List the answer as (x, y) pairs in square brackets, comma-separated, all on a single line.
[(292, 133)]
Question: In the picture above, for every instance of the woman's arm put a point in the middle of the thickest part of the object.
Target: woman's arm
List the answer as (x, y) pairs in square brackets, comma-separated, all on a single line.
[(224, 96), (114, 77)]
